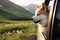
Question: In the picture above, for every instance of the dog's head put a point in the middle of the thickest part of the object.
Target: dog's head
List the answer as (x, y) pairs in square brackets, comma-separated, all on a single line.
[(41, 13)]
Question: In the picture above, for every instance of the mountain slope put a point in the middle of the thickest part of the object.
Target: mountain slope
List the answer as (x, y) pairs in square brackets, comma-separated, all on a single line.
[(9, 10), (31, 7)]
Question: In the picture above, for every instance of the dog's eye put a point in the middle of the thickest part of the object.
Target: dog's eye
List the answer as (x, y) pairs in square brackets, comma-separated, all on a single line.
[(38, 14)]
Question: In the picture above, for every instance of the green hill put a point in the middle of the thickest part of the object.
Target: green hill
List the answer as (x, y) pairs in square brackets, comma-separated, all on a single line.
[(9, 10)]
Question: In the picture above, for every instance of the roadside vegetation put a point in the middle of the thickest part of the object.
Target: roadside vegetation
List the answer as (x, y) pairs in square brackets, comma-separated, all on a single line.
[(16, 30)]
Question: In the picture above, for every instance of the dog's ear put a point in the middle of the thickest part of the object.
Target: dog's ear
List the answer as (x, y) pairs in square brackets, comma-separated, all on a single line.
[(45, 7)]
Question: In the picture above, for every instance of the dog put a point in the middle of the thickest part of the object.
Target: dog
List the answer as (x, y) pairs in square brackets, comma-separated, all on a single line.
[(41, 18)]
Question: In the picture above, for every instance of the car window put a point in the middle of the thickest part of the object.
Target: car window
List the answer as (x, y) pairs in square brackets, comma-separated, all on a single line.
[(58, 10), (56, 26)]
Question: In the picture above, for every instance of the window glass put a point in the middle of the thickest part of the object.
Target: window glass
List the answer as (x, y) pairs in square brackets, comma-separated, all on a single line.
[(56, 29), (58, 10)]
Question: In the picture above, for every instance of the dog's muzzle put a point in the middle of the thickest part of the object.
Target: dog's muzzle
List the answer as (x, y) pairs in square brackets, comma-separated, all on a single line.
[(36, 19)]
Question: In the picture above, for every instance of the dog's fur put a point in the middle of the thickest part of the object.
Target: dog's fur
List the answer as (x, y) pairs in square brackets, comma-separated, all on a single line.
[(41, 18)]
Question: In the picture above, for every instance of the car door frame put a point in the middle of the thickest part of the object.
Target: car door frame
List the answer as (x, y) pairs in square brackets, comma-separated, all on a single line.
[(51, 20)]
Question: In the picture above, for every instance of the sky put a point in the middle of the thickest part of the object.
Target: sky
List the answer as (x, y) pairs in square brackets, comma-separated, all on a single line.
[(27, 2)]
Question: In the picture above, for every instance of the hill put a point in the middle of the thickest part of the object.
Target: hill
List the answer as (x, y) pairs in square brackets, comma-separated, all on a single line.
[(31, 7), (9, 10)]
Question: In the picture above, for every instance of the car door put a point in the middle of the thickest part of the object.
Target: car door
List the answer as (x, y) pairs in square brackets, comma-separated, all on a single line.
[(56, 24), (54, 21)]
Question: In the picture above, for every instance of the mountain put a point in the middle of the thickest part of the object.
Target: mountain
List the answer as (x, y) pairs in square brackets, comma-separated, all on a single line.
[(9, 10), (31, 7)]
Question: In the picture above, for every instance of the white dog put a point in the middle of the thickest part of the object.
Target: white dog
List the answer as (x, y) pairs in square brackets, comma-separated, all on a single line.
[(41, 18)]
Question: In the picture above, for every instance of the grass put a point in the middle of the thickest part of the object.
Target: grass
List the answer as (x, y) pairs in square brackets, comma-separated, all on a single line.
[(16, 30)]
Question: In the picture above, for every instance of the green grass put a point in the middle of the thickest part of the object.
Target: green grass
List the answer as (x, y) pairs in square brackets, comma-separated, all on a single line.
[(16, 30)]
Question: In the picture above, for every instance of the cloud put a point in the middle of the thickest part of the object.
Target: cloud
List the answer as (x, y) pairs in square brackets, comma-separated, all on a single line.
[(27, 2)]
